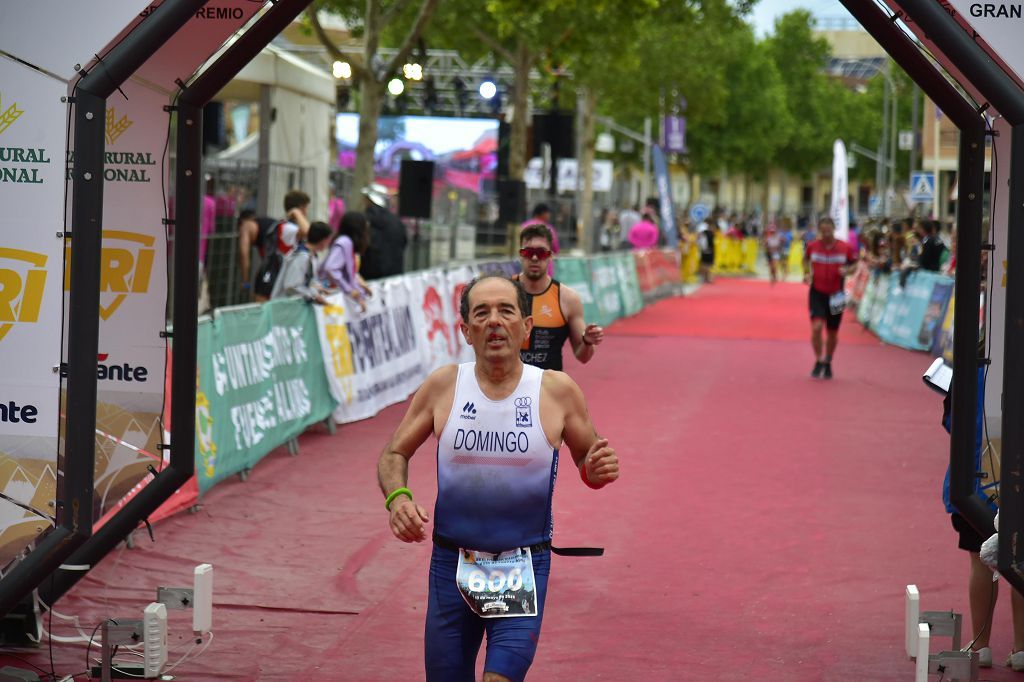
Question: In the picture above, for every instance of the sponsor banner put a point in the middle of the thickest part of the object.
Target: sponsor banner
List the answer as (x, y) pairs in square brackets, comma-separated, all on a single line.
[(839, 210), (575, 274), (911, 312), (57, 36), (629, 286), (457, 279), (666, 210), (133, 293), (33, 126), (606, 289), (33, 142), (432, 315), (942, 342), (261, 382), (374, 358), (204, 33)]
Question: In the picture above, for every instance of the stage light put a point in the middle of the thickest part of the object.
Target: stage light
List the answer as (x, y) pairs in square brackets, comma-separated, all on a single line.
[(396, 87), (488, 89), (413, 71), (342, 70)]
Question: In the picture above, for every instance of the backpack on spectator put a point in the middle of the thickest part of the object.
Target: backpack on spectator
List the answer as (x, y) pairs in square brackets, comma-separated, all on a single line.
[(270, 268)]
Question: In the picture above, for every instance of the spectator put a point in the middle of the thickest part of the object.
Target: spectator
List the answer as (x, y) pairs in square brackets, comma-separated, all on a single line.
[(340, 270), (296, 277), (385, 255), (254, 232), (643, 234), (932, 249)]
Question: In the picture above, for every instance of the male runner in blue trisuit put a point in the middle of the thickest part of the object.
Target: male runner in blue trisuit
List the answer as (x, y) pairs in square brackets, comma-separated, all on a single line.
[(499, 424)]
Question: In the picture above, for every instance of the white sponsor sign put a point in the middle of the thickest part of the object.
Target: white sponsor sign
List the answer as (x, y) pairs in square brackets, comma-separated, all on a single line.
[(133, 276), (1000, 25), (432, 310), (374, 358), (568, 169), (840, 210), (33, 143), (56, 35)]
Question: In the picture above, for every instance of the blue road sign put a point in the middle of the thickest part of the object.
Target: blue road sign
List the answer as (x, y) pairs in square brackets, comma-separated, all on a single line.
[(699, 212), (922, 186)]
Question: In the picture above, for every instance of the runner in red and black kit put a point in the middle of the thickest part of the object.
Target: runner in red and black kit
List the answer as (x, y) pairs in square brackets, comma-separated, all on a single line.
[(826, 261)]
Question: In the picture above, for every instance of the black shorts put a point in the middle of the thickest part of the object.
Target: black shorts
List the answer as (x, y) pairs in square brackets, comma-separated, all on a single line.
[(970, 539), (818, 303), (707, 258)]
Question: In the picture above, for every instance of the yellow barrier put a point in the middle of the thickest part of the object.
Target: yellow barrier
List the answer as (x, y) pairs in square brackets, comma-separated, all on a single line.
[(796, 256), (689, 264)]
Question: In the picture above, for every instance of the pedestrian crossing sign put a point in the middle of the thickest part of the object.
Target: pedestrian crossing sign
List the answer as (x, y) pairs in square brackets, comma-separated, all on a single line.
[(922, 186)]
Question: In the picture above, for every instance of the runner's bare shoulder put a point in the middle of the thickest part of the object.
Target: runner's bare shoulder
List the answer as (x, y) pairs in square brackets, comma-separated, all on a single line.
[(559, 385)]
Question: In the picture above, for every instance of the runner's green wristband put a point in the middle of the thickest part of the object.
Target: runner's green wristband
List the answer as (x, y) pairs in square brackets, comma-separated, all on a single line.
[(394, 494)]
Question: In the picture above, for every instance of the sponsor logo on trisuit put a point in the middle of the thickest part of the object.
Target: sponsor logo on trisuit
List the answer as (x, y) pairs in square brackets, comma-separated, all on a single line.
[(22, 282), (126, 268)]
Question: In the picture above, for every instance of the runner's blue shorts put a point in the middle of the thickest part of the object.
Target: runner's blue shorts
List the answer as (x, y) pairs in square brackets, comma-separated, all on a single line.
[(454, 633)]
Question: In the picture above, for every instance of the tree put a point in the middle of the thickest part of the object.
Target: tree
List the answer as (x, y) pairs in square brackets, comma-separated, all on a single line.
[(372, 73), (816, 102)]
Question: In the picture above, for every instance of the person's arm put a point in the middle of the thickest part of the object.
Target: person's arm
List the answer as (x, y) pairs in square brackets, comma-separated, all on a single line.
[(597, 462), (301, 221), (334, 268), (408, 518), (247, 232), (807, 265), (583, 337)]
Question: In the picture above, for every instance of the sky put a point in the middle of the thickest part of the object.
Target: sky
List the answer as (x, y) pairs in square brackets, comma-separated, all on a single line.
[(766, 11)]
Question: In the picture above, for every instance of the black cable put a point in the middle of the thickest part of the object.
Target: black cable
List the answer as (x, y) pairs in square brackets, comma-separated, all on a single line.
[(88, 648), (53, 668), (988, 620), (168, 263), (28, 662)]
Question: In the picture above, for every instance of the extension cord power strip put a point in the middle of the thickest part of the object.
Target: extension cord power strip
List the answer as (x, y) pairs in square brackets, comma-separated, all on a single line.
[(154, 637)]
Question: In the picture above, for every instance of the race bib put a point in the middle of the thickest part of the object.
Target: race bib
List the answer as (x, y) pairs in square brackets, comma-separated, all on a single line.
[(498, 585), (837, 302)]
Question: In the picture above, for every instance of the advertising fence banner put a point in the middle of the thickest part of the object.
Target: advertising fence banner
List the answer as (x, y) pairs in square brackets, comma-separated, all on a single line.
[(629, 285), (910, 314), (606, 289), (575, 274), (33, 143), (374, 358), (261, 383)]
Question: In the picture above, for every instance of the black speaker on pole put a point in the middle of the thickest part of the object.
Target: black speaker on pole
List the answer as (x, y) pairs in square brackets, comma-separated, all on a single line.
[(511, 201), (415, 188), (555, 129)]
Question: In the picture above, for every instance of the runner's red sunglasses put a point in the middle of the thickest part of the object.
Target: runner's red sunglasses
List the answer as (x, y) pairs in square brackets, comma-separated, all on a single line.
[(538, 252)]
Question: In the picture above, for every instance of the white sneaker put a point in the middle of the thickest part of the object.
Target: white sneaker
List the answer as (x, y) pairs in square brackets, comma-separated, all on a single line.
[(1016, 661), (984, 657)]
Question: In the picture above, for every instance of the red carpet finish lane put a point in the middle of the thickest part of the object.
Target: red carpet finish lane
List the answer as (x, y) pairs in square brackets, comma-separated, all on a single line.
[(764, 528)]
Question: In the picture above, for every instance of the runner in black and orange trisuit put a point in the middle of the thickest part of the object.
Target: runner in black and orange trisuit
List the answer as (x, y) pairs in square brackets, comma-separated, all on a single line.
[(557, 309)]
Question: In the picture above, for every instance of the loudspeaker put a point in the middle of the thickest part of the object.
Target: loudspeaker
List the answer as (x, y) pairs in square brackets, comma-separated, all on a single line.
[(511, 201), (554, 129), (415, 188), (504, 148)]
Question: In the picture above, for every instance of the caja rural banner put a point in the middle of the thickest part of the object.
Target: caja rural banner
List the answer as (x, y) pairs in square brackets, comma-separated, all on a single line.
[(629, 286), (374, 358), (33, 143), (606, 289), (133, 292), (912, 311), (261, 382), (133, 282)]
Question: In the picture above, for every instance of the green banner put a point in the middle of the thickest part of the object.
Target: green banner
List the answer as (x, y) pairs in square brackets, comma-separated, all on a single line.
[(629, 283), (575, 274), (604, 280), (261, 382)]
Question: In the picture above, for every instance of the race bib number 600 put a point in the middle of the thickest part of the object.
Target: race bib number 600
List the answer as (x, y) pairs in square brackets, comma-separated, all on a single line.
[(498, 585)]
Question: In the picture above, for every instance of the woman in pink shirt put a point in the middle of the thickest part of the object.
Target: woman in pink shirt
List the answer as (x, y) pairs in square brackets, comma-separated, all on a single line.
[(643, 234)]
